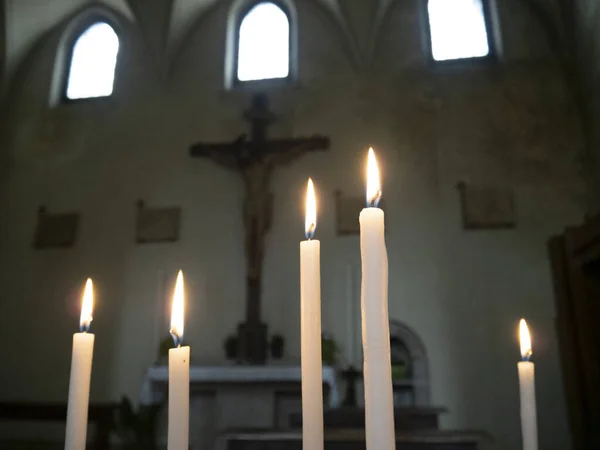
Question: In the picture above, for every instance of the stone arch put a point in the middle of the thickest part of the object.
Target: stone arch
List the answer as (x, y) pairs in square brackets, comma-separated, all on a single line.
[(388, 7), (419, 361), (182, 31), (543, 14)]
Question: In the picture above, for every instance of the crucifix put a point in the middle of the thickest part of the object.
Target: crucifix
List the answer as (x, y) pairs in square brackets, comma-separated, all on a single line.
[(255, 159)]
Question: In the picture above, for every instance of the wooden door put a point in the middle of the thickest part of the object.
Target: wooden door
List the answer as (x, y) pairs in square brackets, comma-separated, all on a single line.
[(575, 260)]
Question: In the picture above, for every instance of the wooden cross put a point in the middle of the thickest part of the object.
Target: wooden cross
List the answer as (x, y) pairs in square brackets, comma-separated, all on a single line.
[(255, 159)]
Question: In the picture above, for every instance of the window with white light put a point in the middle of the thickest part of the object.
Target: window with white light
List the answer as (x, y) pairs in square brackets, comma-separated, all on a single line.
[(458, 29), (264, 44), (91, 70)]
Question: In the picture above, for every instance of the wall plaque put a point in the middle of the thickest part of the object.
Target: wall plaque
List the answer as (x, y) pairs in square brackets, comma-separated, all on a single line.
[(347, 210), (485, 207), (55, 230), (155, 225)]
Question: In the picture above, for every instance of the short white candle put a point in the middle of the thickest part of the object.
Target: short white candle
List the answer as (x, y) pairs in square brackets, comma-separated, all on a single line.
[(81, 372), (310, 325), (527, 390), (179, 376), (377, 370)]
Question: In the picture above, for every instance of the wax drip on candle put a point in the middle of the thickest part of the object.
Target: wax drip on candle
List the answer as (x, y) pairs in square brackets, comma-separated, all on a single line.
[(525, 339), (373, 181), (311, 211), (176, 330), (87, 306)]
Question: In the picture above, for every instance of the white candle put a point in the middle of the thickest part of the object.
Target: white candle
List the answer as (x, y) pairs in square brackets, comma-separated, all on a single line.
[(81, 372), (377, 370), (527, 389), (179, 376), (310, 325)]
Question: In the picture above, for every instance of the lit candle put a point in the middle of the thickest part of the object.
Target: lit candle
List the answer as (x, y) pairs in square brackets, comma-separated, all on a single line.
[(81, 372), (527, 387), (310, 325), (377, 370), (179, 376)]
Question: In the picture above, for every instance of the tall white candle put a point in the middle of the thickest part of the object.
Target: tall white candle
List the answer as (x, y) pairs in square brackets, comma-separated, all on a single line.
[(179, 376), (379, 398), (527, 390), (81, 372), (310, 325)]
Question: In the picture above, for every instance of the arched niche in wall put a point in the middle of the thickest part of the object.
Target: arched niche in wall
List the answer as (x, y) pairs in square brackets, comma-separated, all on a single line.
[(408, 351)]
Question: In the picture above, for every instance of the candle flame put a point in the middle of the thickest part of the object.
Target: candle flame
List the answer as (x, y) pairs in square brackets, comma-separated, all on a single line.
[(87, 306), (177, 311), (311, 211), (525, 340), (373, 181)]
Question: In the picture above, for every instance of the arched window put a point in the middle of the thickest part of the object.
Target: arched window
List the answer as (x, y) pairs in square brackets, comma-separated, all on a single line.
[(91, 67), (263, 50), (458, 29)]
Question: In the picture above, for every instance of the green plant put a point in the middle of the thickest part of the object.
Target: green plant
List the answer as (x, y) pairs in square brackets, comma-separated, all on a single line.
[(163, 350), (329, 350), (136, 429), (399, 371)]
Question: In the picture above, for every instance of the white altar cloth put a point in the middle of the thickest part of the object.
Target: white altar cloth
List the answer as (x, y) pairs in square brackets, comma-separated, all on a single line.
[(154, 386)]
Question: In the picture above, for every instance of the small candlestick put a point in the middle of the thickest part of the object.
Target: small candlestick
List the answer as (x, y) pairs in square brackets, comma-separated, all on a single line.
[(527, 389), (310, 326), (179, 376), (81, 372), (379, 395)]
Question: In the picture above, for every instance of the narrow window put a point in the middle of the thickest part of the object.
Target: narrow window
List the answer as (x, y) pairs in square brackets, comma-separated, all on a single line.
[(264, 43), (458, 29), (91, 69)]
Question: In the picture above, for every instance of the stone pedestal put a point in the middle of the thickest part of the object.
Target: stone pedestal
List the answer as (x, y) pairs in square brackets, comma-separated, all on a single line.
[(252, 343), (354, 439), (236, 396), (406, 419)]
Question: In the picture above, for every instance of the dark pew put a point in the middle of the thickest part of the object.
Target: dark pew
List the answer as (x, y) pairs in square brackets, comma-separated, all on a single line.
[(100, 414)]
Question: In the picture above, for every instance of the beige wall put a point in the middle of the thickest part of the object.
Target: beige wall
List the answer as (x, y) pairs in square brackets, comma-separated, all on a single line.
[(585, 18), (2, 45), (28, 20), (513, 125)]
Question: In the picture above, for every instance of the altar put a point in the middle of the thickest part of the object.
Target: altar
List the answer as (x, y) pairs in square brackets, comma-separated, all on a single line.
[(154, 386), (237, 396)]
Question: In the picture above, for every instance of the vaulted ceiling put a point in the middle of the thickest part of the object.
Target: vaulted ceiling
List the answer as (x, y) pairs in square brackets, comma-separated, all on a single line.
[(165, 24)]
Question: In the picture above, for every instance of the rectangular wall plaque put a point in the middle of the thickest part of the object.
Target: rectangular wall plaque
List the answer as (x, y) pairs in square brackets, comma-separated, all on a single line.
[(55, 230), (347, 209), (485, 207)]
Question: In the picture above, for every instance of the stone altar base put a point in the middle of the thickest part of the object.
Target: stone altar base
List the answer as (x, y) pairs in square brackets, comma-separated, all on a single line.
[(417, 428), (252, 343), (417, 418), (234, 397), (349, 439)]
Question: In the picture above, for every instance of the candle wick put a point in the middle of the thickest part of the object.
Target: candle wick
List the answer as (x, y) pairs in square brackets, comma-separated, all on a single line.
[(310, 231), (374, 201), (176, 338)]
